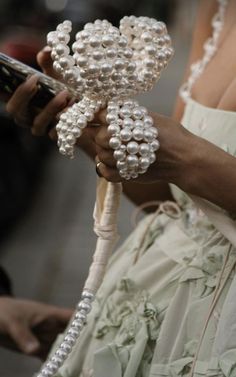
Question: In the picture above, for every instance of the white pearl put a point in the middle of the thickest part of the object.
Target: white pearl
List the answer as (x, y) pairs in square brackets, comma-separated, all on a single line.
[(70, 139), (61, 354), (69, 75), (154, 131), (46, 373), (93, 69), (81, 121), (89, 115), (80, 47), (116, 76), (125, 112), (132, 147), (132, 77), (132, 160), (147, 74), (113, 129), (57, 361), (128, 122), (131, 67), (66, 347), (62, 49), (119, 155), (82, 61), (74, 332), (52, 367), (111, 53), (121, 165), (107, 40), (137, 113), (123, 41), (106, 68), (84, 306), (79, 81), (114, 142), (87, 295), (62, 151), (144, 149), (94, 42), (151, 50), (148, 135), (111, 117), (78, 324), (62, 37), (123, 172), (138, 133), (128, 53), (125, 134), (119, 64), (154, 145), (97, 55), (84, 34), (152, 158), (150, 63), (148, 121), (144, 162), (147, 37), (71, 340), (57, 67), (113, 108)]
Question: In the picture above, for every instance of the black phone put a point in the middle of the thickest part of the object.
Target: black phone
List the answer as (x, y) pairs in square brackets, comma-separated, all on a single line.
[(13, 73)]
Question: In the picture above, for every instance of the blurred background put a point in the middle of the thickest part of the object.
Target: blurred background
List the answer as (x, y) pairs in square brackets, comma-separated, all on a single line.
[(46, 237)]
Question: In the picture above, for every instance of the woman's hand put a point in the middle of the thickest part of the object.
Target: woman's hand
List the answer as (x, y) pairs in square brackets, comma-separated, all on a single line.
[(30, 327), (19, 104), (172, 159)]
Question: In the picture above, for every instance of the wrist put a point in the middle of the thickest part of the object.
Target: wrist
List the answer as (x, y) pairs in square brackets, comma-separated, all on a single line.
[(199, 163)]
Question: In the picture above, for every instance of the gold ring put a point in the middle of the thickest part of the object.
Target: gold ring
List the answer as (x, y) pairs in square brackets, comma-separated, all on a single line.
[(97, 169)]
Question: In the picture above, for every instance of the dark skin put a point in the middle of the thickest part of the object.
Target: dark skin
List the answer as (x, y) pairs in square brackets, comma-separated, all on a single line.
[(192, 163)]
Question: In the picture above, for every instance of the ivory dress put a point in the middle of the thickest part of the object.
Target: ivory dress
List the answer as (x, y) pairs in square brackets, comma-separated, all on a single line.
[(171, 283)]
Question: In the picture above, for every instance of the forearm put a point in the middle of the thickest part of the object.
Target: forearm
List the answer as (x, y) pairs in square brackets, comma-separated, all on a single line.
[(140, 193), (211, 174)]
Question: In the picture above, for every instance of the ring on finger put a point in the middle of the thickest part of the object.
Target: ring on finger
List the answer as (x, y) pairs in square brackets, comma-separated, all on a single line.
[(97, 169)]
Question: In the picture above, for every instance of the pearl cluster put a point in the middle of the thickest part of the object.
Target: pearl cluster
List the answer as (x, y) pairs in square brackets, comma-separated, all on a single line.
[(72, 123), (210, 48), (112, 62), (70, 338), (107, 64), (133, 137)]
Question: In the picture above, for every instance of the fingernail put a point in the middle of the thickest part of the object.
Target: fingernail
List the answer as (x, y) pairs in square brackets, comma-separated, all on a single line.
[(32, 80), (64, 97), (47, 49), (31, 347)]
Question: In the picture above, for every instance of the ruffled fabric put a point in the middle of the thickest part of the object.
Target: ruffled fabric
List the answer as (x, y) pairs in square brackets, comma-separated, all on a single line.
[(225, 366), (135, 324)]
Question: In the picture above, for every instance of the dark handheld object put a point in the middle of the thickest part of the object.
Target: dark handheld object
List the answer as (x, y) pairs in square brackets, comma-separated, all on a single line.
[(13, 73)]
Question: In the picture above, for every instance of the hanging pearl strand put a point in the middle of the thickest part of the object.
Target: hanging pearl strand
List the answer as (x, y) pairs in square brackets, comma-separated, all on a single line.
[(210, 47), (106, 229)]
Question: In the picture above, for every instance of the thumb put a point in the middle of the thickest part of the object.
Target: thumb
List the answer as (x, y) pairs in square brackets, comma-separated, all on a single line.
[(24, 338), (45, 62)]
